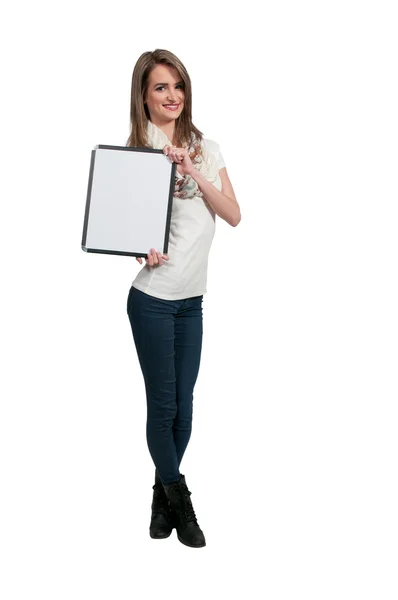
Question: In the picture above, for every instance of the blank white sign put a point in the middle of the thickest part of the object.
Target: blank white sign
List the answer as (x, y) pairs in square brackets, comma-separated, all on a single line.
[(129, 201)]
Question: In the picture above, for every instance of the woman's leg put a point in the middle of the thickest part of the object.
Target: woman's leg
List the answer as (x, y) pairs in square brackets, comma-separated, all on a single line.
[(188, 347), (152, 323)]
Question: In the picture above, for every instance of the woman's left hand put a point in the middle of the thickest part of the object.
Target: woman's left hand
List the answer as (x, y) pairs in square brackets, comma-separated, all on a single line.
[(181, 157)]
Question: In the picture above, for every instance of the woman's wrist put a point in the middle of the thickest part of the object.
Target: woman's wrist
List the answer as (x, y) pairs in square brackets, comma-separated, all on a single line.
[(193, 173)]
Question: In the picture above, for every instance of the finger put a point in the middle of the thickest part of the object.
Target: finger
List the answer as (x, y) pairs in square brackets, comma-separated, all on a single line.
[(149, 259), (169, 150), (162, 258), (154, 256), (174, 153), (139, 259)]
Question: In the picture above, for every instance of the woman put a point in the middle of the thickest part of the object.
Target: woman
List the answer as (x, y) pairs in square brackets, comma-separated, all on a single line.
[(165, 300)]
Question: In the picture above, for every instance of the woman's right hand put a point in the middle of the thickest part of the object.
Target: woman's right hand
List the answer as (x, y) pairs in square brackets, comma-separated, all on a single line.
[(154, 258)]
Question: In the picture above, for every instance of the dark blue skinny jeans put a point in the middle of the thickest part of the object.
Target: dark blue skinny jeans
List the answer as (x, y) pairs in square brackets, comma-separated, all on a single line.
[(168, 339)]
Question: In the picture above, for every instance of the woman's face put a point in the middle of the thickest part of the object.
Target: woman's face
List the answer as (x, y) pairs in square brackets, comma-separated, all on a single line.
[(164, 87)]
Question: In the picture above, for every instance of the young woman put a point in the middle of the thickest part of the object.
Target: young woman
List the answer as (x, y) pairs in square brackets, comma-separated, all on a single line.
[(165, 299)]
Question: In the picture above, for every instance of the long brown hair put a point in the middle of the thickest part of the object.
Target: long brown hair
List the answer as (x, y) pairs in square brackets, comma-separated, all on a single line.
[(139, 114)]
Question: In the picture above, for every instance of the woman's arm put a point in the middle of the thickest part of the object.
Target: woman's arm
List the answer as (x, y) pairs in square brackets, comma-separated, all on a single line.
[(223, 203)]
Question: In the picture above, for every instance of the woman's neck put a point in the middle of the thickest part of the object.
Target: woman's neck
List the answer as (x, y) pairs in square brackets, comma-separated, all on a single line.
[(167, 128)]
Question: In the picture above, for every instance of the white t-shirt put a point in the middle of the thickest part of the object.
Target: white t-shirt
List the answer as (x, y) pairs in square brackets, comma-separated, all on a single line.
[(192, 228)]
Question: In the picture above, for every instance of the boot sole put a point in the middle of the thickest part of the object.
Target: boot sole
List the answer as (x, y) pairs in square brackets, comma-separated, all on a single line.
[(190, 545)]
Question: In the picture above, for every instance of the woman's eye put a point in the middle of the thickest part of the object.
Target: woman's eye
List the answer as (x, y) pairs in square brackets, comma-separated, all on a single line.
[(162, 86)]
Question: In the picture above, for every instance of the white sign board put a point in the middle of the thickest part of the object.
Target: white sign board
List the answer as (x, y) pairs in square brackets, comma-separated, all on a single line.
[(129, 201)]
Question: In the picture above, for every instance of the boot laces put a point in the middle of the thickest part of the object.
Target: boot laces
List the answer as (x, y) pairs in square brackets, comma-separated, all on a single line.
[(187, 512)]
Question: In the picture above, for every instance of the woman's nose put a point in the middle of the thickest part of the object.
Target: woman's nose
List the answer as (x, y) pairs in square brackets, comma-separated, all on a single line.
[(173, 98)]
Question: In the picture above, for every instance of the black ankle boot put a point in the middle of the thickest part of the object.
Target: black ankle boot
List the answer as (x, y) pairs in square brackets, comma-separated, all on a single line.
[(161, 518), (188, 530)]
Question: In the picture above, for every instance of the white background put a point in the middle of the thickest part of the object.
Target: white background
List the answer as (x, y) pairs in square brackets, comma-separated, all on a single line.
[(292, 460)]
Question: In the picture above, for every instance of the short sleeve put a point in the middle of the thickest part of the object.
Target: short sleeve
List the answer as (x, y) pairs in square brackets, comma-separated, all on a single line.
[(214, 148)]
